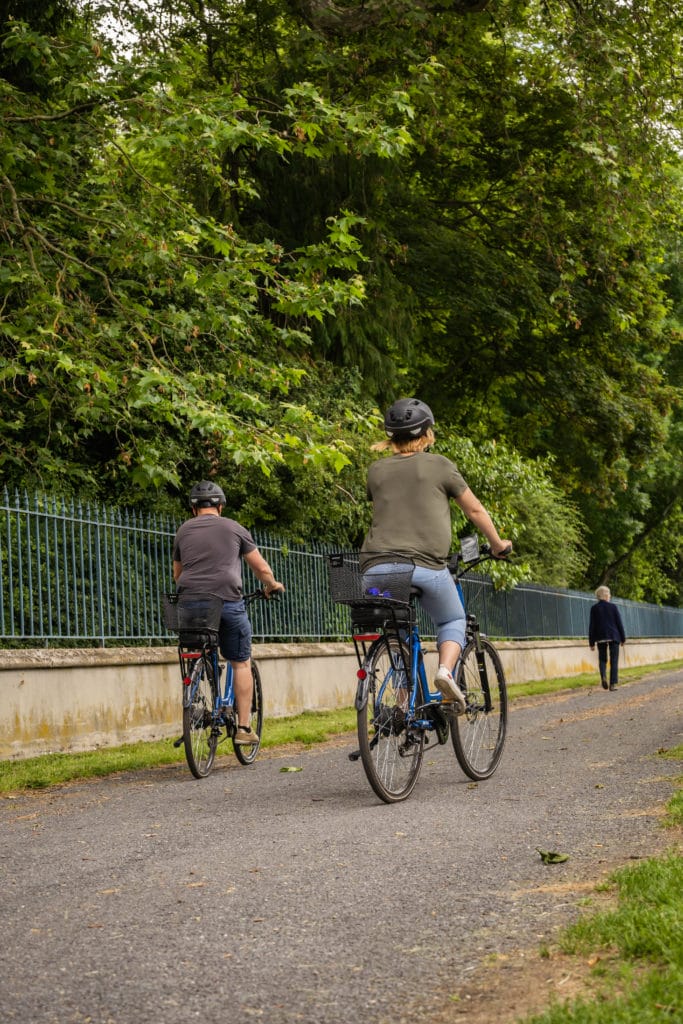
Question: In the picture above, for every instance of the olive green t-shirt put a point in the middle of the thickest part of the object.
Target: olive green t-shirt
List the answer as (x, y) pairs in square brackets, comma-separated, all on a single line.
[(411, 514)]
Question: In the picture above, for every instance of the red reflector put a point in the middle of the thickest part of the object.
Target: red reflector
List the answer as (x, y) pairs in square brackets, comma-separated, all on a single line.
[(187, 681), (366, 636), (361, 673)]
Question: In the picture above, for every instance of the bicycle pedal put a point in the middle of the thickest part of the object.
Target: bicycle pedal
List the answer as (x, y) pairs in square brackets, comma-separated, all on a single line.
[(354, 756)]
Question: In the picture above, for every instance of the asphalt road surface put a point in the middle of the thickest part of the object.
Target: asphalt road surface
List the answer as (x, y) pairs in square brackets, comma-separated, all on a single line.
[(298, 896)]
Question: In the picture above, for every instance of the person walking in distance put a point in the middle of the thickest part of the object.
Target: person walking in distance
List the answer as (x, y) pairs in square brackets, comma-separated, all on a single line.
[(410, 491), (207, 559), (606, 629)]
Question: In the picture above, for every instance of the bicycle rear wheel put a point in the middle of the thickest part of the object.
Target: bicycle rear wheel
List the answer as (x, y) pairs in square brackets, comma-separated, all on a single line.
[(478, 734), (200, 728), (244, 753), (391, 752)]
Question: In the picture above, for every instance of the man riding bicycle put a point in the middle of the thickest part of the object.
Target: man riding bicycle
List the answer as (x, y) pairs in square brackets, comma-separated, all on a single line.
[(207, 554)]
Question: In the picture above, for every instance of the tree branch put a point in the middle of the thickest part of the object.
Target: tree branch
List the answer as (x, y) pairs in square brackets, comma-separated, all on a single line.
[(16, 216), (53, 117), (609, 570), (328, 16)]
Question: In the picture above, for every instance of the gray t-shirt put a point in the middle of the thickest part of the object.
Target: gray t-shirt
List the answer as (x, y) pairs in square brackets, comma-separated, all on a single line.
[(210, 549), (411, 513)]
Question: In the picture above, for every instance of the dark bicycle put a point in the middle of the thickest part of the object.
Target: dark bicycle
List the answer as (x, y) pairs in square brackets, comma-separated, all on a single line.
[(209, 711), (398, 714)]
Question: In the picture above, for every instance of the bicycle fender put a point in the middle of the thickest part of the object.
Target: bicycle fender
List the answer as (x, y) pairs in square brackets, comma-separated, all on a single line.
[(362, 693)]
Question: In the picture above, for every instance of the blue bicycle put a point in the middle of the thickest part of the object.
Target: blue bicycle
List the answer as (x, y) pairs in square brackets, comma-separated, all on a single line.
[(209, 711), (398, 714)]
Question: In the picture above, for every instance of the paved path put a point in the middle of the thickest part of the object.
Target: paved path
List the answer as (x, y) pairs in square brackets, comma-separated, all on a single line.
[(152, 898)]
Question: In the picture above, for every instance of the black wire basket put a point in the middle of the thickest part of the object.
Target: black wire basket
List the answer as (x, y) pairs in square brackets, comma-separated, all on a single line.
[(348, 585), (192, 613)]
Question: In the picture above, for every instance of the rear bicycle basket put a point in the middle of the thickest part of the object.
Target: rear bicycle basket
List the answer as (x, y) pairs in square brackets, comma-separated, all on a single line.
[(192, 613), (374, 596)]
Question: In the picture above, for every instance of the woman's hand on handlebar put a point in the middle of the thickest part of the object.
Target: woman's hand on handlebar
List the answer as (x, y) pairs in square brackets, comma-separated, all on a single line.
[(504, 551)]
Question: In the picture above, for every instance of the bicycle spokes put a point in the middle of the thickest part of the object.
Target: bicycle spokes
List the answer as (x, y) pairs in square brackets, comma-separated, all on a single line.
[(479, 733), (200, 725), (390, 750)]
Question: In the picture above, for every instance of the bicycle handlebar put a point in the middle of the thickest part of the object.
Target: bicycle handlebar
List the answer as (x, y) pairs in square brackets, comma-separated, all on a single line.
[(260, 595), (458, 566)]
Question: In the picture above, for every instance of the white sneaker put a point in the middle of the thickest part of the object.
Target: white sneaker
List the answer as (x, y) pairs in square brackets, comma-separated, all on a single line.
[(450, 691)]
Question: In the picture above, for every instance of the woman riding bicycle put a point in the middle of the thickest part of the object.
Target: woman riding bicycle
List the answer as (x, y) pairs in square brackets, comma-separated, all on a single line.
[(410, 493)]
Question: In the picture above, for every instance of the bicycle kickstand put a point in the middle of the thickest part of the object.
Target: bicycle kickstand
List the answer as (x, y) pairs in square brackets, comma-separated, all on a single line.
[(355, 755)]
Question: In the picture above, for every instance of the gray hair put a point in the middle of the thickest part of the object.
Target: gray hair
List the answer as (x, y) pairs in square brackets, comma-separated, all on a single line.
[(603, 593)]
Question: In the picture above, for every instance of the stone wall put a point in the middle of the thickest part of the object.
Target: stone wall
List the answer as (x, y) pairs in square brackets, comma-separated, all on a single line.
[(61, 700)]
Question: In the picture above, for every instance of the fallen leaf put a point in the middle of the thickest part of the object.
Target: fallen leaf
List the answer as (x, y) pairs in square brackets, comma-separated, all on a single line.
[(552, 857), (290, 768)]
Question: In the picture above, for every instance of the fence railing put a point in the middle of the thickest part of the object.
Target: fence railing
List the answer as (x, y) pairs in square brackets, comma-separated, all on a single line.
[(74, 574)]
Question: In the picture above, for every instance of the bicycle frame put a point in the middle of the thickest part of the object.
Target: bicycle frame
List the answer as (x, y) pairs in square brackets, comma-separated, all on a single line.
[(474, 634), (420, 694), (225, 698), (415, 670), (420, 688)]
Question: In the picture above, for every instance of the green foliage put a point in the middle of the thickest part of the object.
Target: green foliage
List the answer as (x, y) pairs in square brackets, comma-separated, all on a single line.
[(134, 327), (525, 506), (223, 247), (646, 922)]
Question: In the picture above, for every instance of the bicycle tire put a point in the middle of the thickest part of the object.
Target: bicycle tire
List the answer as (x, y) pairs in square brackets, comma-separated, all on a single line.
[(200, 728), (391, 753), (478, 735), (245, 754)]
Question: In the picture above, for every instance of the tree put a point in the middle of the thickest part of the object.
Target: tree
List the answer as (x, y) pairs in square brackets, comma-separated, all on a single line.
[(134, 325), (258, 201)]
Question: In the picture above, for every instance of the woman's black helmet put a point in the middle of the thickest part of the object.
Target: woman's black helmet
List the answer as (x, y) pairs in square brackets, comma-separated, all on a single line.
[(206, 495), (408, 418)]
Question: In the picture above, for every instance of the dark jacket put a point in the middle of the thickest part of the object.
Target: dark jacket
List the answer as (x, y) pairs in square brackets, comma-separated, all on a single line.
[(605, 623)]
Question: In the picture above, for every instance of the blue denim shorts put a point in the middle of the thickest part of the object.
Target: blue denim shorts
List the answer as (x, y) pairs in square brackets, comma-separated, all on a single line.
[(234, 635)]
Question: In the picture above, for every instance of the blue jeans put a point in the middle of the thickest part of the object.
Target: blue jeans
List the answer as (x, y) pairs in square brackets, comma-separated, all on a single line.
[(234, 634), (439, 597)]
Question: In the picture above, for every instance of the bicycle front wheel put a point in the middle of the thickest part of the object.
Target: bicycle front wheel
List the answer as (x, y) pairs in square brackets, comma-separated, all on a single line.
[(478, 734), (200, 728), (244, 753), (390, 750)]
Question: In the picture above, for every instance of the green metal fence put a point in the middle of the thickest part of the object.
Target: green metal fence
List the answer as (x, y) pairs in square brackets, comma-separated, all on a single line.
[(75, 574)]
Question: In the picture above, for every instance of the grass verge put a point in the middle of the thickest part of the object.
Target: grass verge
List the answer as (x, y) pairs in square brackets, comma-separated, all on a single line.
[(51, 769), (636, 947), (589, 679)]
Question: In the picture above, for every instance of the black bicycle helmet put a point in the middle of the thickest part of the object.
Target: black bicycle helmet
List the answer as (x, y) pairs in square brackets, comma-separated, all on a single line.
[(408, 418), (206, 495)]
